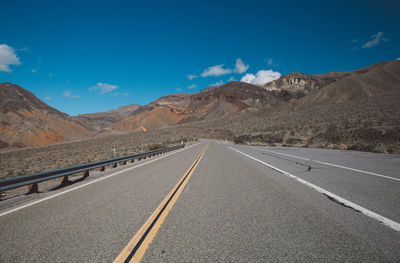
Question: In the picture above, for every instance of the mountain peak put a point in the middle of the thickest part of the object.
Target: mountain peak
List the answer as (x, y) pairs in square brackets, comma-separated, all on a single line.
[(15, 98)]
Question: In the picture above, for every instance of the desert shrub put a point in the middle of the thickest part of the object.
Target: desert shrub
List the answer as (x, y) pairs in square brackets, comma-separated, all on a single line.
[(359, 146), (238, 140), (332, 134), (271, 138), (293, 141), (3, 144), (393, 149), (156, 147)]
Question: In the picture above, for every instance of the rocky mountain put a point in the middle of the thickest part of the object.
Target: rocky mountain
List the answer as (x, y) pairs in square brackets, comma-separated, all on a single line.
[(25, 120), (337, 87), (295, 82), (100, 122), (290, 92), (383, 77), (230, 99), (356, 110)]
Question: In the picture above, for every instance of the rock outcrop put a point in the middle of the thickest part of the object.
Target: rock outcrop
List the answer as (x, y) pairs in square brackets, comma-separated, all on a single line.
[(295, 82)]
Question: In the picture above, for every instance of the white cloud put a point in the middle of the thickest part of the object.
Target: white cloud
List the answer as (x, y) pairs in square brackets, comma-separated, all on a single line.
[(269, 62), (34, 70), (193, 86), (69, 95), (355, 41), (261, 77), (178, 89), (217, 84), (231, 79), (103, 88), (191, 76), (397, 58), (8, 57), (216, 71), (116, 94), (376, 38), (51, 75), (125, 94), (240, 66), (48, 98)]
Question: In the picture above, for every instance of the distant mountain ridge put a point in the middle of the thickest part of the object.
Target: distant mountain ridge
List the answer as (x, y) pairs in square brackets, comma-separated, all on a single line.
[(292, 91), (100, 122), (27, 121), (229, 99)]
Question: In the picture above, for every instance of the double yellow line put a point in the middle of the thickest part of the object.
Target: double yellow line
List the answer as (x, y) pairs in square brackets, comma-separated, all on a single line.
[(134, 251)]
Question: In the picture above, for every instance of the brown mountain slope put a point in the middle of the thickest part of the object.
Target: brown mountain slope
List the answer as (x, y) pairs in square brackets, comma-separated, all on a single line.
[(379, 78), (232, 98), (337, 87), (100, 122), (27, 121)]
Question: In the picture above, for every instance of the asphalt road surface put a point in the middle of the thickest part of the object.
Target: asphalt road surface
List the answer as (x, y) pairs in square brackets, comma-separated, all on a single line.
[(226, 203)]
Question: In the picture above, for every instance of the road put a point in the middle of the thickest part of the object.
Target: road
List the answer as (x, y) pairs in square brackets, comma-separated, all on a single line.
[(214, 202)]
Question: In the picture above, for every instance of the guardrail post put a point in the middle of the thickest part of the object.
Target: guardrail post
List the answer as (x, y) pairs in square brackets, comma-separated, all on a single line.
[(64, 181), (132, 160), (114, 165), (124, 163), (33, 188), (102, 169), (86, 174)]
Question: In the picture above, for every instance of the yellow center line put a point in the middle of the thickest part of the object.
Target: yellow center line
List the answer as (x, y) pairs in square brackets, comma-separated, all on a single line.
[(135, 249)]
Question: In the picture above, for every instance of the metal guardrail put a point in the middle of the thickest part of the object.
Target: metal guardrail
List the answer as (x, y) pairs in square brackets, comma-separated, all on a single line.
[(34, 179)]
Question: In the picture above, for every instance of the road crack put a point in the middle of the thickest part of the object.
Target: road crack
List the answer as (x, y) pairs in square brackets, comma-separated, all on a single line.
[(309, 167)]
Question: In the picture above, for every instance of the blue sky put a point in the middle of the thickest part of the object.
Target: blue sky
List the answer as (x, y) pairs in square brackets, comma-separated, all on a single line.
[(91, 56)]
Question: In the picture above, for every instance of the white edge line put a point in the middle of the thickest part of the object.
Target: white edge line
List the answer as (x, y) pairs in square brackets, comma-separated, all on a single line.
[(88, 183), (335, 165), (386, 221)]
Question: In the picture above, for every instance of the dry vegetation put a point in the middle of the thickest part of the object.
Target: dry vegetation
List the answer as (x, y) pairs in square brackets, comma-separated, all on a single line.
[(32, 160)]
